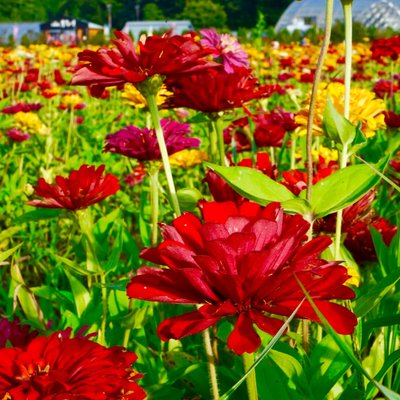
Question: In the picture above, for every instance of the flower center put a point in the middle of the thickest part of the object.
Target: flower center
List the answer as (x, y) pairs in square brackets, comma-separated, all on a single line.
[(35, 368)]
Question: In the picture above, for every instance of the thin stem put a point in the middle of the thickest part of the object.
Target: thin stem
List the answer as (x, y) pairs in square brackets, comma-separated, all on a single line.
[(293, 151), (102, 332), (212, 370), (339, 217), (313, 100), (152, 103), (348, 20), (251, 380), (154, 206), (216, 123), (213, 142), (69, 135)]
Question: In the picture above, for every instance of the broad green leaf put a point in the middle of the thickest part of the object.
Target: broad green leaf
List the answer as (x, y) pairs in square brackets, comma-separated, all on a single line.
[(328, 364), (38, 214), (253, 184), (80, 293), (338, 128), (5, 254), (341, 189), (368, 301)]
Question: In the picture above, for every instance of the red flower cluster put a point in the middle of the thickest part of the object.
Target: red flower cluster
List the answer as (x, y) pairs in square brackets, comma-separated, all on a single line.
[(16, 334), (22, 107), (384, 89), (164, 56), (214, 90), (62, 368), (242, 263), (386, 48), (392, 120), (83, 187)]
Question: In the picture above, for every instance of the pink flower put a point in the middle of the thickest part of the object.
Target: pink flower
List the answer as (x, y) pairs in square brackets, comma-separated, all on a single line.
[(226, 47)]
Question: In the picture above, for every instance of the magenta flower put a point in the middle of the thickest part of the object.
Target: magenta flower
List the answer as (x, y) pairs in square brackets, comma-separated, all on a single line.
[(225, 47), (16, 135), (142, 144), (22, 107)]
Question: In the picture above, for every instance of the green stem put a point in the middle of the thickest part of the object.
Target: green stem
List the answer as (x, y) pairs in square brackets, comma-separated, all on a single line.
[(348, 21), (293, 151), (213, 142), (102, 332), (69, 135), (212, 370), (9, 158), (216, 124), (152, 103), (251, 380), (154, 206), (313, 100), (339, 218)]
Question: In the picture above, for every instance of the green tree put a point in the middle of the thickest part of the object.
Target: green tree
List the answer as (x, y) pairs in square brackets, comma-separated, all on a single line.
[(204, 14), (152, 12)]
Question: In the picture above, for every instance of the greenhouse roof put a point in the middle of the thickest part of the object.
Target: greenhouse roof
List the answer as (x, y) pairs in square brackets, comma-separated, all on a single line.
[(379, 13)]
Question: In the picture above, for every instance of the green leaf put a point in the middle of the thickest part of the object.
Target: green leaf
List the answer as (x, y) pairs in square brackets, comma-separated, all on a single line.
[(7, 233), (80, 293), (5, 254), (253, 184), (26, 298), (73, 266), (337, 127), (341, 189), (392, 360), (328, 364), (38, 214), (389, 394), (369, 300)]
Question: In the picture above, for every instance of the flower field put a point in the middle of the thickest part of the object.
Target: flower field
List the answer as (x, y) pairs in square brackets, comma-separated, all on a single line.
[(188, 217)]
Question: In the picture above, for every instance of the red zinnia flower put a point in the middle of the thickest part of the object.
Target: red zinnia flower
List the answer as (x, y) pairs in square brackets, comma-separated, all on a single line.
[(83, 187), (164, 56), (386, 47), (241, 262), (62, 368), (214, 90), (392, 120), (16, 135)]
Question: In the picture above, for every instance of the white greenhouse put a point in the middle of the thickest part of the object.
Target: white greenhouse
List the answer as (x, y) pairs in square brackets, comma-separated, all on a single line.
[(304, 14)]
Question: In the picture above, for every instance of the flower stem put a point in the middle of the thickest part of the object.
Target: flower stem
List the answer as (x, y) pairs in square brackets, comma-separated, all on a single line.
[(212, 370), (313, 100), (216, 124), (152, 103), (293, 151), (69, 135), (154, 206), (251, 380), (348, 20), (213, 142), (310, 125)]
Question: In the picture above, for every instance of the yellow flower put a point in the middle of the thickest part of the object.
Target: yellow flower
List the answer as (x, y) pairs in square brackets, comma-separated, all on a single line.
[(29, 122), (365, 108), (354, 279), (71, 99), (135, 98), (187, 158), (327, 154)]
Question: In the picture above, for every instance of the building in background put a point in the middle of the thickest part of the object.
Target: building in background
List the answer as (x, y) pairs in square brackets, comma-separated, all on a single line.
[(381, 14), (136, 28), (69, 30)]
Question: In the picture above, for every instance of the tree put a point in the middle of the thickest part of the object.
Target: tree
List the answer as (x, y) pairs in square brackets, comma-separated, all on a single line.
[(204, 14), (152, 12)]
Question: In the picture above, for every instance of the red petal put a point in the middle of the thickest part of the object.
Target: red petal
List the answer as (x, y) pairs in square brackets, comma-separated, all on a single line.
[(184, 325), (243, 338)]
